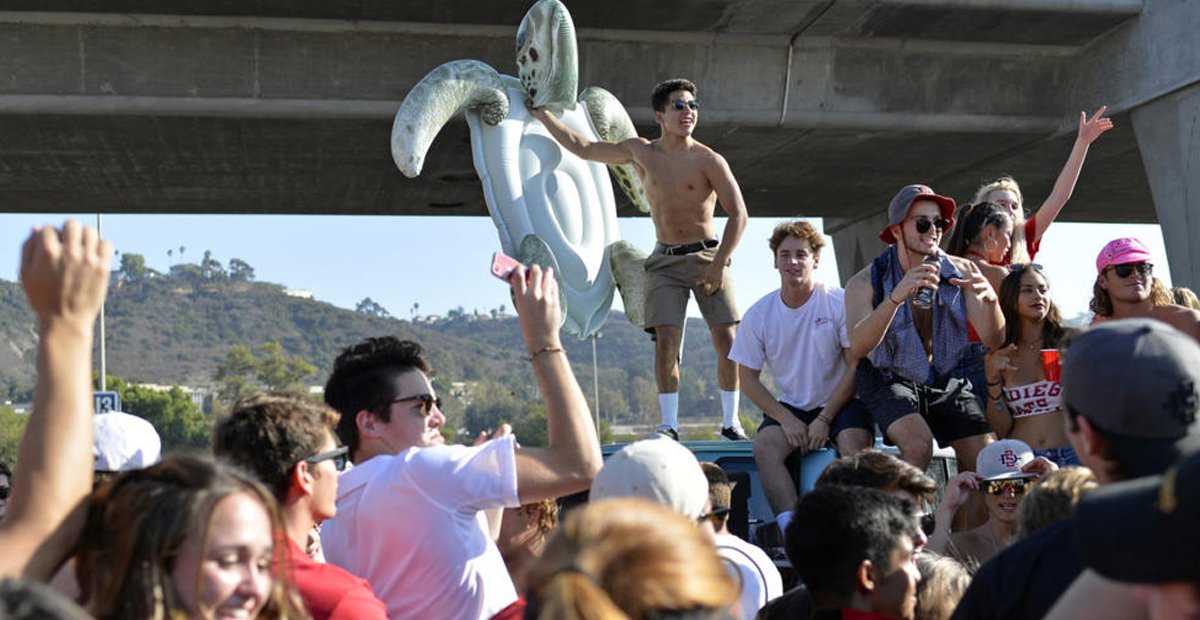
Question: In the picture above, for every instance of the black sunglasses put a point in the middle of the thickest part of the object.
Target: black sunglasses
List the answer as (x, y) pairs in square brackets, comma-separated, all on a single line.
[(5, 492), (923, 224), (713, 517), (680, 104), (1023, 266), (1127, 269), (339, 457), (427, 403)]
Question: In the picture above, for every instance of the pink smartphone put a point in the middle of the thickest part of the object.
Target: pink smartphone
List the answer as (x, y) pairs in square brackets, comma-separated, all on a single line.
[(503, 265)]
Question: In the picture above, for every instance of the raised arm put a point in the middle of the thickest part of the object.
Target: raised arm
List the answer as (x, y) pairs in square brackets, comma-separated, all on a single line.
[(998, 363), (868, 324), (65, 274), (1089, 130), (983, 308), (572, 457), (593, 150)]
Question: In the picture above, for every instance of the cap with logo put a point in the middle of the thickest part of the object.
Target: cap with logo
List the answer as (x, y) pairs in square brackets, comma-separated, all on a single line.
[(1122, 251), (1002, 460)]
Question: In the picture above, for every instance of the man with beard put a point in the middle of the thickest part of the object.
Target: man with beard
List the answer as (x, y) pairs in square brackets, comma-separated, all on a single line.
[(1125, 288)]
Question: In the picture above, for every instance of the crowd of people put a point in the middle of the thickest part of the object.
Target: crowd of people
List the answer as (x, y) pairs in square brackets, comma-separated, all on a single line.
[(1079, 453)]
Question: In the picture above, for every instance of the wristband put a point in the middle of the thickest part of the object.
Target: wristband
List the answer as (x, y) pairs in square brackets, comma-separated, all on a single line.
[(545, 349), (898, 303), (825, 420)]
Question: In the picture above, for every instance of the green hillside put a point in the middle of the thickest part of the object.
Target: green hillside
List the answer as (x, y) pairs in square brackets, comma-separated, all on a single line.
[(176, 328)]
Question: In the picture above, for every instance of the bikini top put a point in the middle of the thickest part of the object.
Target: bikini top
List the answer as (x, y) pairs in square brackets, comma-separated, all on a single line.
[(1045, 396)]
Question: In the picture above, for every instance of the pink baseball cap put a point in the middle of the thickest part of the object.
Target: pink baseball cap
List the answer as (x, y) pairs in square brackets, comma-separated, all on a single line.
[(1121, 251)]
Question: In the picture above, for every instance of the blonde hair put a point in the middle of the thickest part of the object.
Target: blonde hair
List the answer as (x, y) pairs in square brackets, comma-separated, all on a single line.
[(1185, 297), (1053, 498), (626, 558), (944, 580), (1017, 252)]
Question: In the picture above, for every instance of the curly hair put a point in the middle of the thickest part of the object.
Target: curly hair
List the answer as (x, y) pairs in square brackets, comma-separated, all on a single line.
[(879, 470), (1053, 498), (799, 229), (137, 526), (628, 558), (269, 432), (362, 380), (1101, 303), (658, 99)]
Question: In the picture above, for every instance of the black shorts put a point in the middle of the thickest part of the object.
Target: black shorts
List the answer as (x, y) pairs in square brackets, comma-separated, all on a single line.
[(951, 409), (853, 415)]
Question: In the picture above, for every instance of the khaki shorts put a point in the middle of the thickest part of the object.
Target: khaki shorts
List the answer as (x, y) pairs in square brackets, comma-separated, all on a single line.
[(670, 279)]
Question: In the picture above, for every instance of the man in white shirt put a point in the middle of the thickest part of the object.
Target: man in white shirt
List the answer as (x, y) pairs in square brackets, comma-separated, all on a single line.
[(757, 578), (410, 515), (799, 331)]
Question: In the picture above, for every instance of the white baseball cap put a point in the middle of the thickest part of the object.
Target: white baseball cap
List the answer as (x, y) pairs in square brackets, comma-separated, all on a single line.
[(660, 470), (124, 442), (1001, 460)]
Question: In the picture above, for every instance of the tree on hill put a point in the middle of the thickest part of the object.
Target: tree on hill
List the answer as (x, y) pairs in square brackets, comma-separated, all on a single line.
[(240, 270), (242, 373), (133, 268), (210, 268), (180, 424), (12, 428), (369, 306)]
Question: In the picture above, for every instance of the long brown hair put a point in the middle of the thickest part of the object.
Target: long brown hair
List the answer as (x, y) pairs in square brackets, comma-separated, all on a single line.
[(1101, 303), (1010, 294), (137, 525), (628, 558)]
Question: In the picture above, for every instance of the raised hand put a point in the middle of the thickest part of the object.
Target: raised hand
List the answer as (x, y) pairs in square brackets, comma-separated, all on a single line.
[(1090, 129), (976, 284), (65, 273)]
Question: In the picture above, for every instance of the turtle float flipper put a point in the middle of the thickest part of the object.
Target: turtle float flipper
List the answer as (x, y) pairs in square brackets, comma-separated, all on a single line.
[(442, 93), (626, 262), (534, 251), (612, 124)]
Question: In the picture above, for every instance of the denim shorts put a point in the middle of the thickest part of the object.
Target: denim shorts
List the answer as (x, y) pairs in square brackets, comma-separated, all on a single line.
[(1063, 457)]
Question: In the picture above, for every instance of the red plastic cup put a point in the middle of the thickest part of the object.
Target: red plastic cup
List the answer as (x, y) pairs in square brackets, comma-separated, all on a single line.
[(1050, 364)]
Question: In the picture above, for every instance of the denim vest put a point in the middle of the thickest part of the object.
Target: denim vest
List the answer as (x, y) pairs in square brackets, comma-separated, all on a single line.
[(901, 353)]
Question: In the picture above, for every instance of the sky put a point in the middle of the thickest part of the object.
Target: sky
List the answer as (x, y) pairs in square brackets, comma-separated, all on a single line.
[(430, 265)]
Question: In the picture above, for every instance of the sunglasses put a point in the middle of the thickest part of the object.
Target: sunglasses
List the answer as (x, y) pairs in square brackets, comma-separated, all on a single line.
[(1127, 269), (427, 403), (1000, 487), (1024, 266), (5, 492), (680, 104), (713, 517), (339, 457), (923, 224)]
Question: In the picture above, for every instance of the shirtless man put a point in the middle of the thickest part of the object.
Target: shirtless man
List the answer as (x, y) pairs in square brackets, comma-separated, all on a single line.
[(684, 180), (1125, 288)]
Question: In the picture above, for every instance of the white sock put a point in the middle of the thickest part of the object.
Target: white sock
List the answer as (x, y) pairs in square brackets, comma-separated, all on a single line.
[(668, 403), (782, 520), (729, 409)]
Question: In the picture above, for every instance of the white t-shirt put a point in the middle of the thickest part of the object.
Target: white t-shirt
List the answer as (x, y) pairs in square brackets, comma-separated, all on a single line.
[(752, 570), (412, 526), (802, 346)]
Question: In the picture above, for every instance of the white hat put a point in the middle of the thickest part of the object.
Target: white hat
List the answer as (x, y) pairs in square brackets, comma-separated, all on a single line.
[(1004, 459), (660, 470), (124, 442)]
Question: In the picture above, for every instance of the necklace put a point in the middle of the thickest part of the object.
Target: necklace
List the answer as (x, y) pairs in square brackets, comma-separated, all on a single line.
[(1033, 345)]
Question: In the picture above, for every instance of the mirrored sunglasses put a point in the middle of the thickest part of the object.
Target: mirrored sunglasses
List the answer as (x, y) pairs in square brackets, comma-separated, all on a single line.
[(1018, 486), (680, 104)]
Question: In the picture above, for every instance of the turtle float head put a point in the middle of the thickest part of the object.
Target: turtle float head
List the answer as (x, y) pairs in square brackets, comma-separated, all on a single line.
[(547, 59)]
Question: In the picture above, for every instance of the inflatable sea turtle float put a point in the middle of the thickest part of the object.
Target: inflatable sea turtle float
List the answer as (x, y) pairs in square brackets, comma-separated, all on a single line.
[(549, 206)]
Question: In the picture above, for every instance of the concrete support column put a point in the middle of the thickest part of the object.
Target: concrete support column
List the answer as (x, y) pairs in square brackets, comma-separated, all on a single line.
[(856, 243), (1168, 134)]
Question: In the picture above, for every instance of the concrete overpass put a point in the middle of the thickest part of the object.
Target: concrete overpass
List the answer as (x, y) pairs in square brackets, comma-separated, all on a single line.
[(823, 108)]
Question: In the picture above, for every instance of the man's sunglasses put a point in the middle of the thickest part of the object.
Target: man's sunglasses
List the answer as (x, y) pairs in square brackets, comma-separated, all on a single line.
[(1127, 269), (923, 224), (1000, 487), (680, 104), (339, 457), (5, 492), (714, 517), (427, 403)]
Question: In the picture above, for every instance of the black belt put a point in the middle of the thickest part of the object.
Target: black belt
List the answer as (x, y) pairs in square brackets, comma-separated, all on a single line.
[(685, 248)]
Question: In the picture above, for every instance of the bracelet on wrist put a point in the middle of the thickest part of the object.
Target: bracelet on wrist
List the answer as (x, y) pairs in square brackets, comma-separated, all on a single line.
[(898, 303), (546, 349), (825, 419), (995, 383)]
